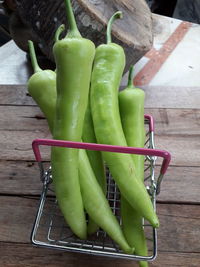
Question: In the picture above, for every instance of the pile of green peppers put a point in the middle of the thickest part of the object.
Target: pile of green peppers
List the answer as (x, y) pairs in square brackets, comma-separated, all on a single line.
[(82, 103)]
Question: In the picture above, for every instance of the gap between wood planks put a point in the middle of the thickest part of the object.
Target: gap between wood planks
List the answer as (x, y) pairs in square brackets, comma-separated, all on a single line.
[(37, 197), (21, 177)]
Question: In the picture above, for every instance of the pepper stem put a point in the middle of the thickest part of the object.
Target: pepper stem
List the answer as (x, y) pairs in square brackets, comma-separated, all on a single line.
[(117, 15), (34, 61), (130, 77), (58, 32), (73, 29)]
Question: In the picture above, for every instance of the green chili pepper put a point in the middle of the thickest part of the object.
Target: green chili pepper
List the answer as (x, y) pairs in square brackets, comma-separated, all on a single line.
[(42, 87), (94, 198), (107, 71), (97, 205), (95, 159), (131, 105), (74, 58), (46, 100)]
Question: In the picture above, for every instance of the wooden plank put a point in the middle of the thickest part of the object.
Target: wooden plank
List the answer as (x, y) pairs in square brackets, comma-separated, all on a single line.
[(178, 232), (26, 255), (16, 218), (174, 259), (176, 131), (20, 177), (16, 145), (167, 121), (15, 95), (184, 149), (180, 184), (172, 97), (179, 228), (22, 118), (175, 122), (156, 96)]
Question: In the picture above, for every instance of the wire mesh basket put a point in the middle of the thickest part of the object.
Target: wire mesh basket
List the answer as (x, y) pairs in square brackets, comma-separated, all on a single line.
[(50, 229)]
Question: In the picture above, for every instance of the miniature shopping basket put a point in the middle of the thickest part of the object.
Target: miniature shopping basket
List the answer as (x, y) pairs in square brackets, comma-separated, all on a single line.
[(51, 231)]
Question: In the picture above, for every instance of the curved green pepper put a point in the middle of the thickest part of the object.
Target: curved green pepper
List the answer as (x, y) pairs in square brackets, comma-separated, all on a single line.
[(95, 159), (45, 96), (107, 71), (74, 58), (97, 205), (131, 105), (94, 198), (42, 87)]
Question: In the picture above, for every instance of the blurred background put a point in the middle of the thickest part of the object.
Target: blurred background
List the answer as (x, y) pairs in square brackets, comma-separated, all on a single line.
[(188, 10)]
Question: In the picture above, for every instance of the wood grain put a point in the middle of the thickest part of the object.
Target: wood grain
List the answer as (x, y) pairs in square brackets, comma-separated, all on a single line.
[(24, 255), (22, 118), (15, 95), (175, 122), (176, 131), (17, 146), (168, 122), (172, 97), (20, 178), (157, 97), (92, 17), (180, 184), (17, 213), (179, 230), (184, 149)]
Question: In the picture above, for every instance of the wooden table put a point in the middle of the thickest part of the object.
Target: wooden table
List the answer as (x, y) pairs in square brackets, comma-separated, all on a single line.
[(172, 97)]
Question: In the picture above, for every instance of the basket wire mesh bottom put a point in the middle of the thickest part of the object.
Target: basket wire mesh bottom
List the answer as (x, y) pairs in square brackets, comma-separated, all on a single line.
[(51, 231)]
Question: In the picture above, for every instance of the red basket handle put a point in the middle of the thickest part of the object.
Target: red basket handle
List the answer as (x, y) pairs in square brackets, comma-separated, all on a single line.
[(101, 147)]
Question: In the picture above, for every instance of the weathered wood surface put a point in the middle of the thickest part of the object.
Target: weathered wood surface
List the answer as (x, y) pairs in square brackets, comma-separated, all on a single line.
[(17, 146), (179, 223), (133, 32), (180, 184), (177, 130), (20, 257), (22, 121), (166, 97)]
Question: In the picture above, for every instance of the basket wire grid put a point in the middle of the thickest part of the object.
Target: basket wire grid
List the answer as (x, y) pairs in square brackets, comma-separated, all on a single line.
[(50, 229)]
